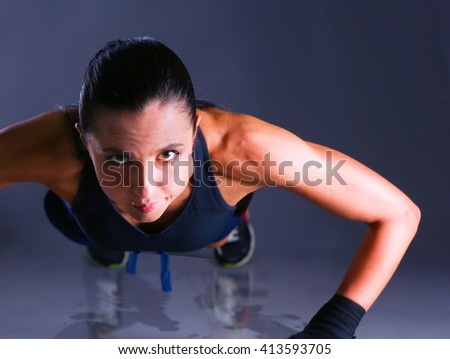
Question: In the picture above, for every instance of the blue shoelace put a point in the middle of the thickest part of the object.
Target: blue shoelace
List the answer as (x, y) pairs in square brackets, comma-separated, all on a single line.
[(166, 283)]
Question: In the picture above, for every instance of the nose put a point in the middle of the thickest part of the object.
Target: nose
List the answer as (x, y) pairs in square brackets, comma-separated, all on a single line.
[(145, 179)]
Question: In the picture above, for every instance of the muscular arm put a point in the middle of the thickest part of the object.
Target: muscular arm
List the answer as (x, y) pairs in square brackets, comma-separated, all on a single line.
[(40, 149), (391, 217), (356, 193)]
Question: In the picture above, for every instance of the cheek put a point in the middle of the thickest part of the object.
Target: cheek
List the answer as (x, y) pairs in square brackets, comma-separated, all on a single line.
[(177, 175), (116, 194), (181, 170), (110, 179)]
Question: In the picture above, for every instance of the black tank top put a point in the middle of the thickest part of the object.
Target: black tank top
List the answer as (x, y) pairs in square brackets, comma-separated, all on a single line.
[(203, 220)]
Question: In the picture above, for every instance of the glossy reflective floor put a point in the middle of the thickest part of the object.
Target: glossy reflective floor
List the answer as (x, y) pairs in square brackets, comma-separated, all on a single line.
[(50, 290)]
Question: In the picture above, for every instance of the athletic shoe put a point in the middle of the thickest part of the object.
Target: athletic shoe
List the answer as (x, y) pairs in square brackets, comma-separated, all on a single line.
[(240, 245), (108, 258)]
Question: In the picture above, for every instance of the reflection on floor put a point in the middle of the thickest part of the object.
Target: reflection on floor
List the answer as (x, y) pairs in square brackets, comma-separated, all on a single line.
[(208, 303), (53, 291)]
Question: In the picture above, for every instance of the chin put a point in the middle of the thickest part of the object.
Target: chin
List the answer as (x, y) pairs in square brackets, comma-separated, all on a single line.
[(148, 218)]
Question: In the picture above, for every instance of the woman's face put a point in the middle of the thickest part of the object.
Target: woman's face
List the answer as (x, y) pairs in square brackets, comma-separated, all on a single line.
[(143, 161)]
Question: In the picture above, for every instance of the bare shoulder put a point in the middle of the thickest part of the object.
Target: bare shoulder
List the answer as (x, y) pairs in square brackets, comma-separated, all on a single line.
[(41, 149), (238, 136), (238, 145)]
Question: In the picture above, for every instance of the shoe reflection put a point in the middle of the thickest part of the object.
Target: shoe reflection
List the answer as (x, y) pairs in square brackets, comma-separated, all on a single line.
[(228, 297), (116, 301), (104, 300), (237, 301), (231, 294)]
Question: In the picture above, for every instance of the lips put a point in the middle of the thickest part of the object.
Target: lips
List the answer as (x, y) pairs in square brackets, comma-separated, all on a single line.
[(146, 208)]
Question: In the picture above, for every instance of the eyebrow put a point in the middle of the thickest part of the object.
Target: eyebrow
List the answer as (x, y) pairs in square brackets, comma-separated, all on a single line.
[(162, 149)]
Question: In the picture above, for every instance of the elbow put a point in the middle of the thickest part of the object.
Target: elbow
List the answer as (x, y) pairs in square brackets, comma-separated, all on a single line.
[(404, 216), (409, 215), (413, 214), (412, 220), (417, 214)]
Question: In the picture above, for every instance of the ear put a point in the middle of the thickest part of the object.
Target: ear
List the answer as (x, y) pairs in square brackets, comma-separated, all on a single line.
[(198, 119), (82, 138), (80, 132)]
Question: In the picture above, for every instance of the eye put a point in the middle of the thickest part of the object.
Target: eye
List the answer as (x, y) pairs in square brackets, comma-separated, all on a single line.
[(119, 159), (167, 156)]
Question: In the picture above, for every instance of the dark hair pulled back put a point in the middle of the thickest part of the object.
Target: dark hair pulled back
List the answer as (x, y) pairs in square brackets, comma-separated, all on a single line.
[(127, 74)]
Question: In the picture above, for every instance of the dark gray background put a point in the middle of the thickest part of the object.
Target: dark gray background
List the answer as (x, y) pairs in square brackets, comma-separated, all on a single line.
[(369, 78)]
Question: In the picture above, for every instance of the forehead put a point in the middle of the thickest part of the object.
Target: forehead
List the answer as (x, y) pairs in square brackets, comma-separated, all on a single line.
[(157, 121)]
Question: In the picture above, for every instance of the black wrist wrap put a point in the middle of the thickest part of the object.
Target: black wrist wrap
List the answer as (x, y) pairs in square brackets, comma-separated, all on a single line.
[(337, 319)]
